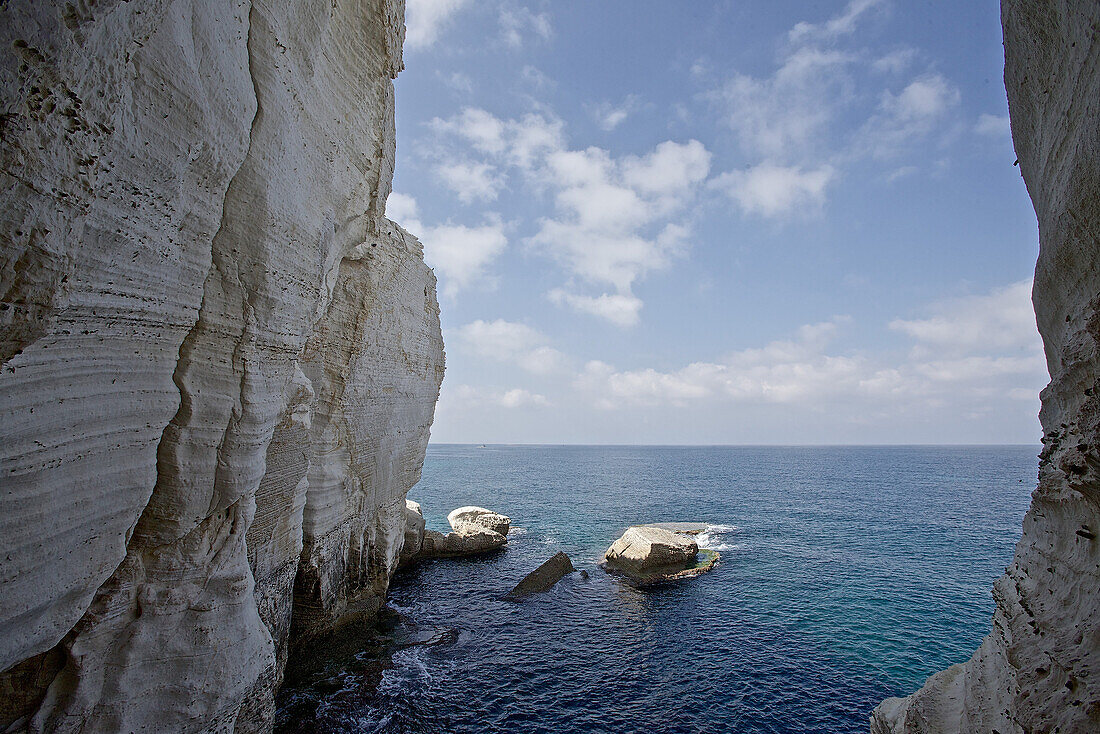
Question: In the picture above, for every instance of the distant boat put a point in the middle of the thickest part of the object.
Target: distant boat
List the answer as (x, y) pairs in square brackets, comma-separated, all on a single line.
[(482, 446)]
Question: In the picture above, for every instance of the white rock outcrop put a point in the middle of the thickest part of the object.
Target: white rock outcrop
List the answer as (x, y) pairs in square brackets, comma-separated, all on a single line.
[(644, 550), (471, 516), (1039, 668), (468, 540), (414, 532), (219, 359)]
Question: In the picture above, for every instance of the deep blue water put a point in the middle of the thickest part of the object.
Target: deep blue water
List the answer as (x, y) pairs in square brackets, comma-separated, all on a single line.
[(848, 574)]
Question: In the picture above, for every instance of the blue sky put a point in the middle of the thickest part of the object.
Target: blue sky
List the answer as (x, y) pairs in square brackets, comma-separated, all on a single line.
[(720, 222)]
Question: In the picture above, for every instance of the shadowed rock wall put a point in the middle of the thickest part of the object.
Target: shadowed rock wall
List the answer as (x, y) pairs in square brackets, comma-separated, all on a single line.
[(219, 359), (1039, 669)]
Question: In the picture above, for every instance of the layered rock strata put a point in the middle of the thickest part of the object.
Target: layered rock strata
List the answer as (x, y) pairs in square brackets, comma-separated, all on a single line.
[(468, 540), (219, 359), (1039, 668)]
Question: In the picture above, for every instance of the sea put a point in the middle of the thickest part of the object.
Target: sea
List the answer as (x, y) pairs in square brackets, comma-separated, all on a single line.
[(847, 575)]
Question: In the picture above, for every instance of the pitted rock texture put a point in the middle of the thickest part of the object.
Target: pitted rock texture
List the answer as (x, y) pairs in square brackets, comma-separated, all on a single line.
[(479, 517), (1039, 669), (219, 359)]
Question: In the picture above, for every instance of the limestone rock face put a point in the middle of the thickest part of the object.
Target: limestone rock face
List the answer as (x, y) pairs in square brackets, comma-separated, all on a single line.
[(641, 551), (414, 532), (1039, 668), (219, 359), (466, 541), (479, 517)]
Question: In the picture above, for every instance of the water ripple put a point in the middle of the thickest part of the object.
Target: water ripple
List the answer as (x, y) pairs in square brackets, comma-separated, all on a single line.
[(847, 576)]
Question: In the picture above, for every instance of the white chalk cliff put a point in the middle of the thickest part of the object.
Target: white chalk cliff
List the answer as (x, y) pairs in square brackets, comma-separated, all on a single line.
[(1039, 669), (220, 360)]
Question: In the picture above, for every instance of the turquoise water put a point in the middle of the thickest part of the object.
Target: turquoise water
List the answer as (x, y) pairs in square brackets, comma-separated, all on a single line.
[(847, 575)]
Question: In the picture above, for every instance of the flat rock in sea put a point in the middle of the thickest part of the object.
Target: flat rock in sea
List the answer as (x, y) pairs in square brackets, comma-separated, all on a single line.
[(646, 548), (544, 577), (479, 517), (653, 553)]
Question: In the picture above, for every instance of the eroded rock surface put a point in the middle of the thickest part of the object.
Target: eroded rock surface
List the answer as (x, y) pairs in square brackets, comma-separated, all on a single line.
[(414, 532), (219, 359), (479, 517), (645, 550), (1039, 668), (468, 540)]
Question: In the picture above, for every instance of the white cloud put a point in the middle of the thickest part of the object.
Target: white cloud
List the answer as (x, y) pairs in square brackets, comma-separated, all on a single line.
[(614, 220), (783, 116), (973, 352), (993, 125), (459, 82), (521, 142), (895, 62), (470, 181), (508, 341), (609, 116), (621, 310), (910, 115), (402, 208), (840, 25), (780, 372), (927, 97), (519, 398), (1002, 319), (515, 21), (535, 78), (478, 398), (425, 19), (795, 125), (669, 171), (481, 129), (771, 190), (461, 255)]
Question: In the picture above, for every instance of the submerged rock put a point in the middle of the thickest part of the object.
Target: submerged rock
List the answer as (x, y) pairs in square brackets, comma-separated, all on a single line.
[(650, 554), (479, 517), (544, 577)]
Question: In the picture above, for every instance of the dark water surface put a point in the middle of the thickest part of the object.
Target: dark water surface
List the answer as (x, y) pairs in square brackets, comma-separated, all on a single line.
[(847, 575)]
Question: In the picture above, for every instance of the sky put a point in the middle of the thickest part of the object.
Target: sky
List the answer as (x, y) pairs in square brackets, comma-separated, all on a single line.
[(720, 222)]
